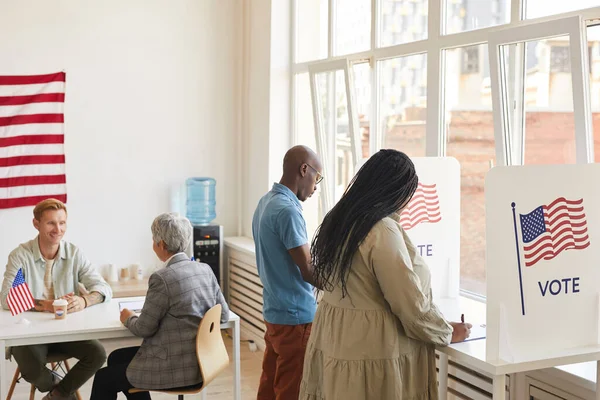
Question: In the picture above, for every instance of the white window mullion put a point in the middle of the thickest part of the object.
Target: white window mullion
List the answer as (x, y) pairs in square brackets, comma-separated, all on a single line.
[(517, 8), (582, 107), (516, 87), (374, 130), (434, 142), (331, 29)]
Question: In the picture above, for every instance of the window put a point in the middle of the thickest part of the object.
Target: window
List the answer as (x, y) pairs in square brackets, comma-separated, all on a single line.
[(470, 133), (470, 60), (543, 8), (305, 135), (593, 35), (362, 92), (403, 22), (312, 22), (433, 96), (467, 15), (403, 103), (352, 26), (559, 59)]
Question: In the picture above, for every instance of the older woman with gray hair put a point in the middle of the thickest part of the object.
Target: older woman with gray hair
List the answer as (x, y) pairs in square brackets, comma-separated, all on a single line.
[(178, 297)]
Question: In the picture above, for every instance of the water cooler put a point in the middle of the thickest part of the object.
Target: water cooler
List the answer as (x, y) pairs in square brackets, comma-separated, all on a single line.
[(207, 247)]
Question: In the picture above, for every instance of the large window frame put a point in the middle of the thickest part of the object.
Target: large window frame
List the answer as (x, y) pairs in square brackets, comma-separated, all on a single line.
[(326, 144), (434, 47)]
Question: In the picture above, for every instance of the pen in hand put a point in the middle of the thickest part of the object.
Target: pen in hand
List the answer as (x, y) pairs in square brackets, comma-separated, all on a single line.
[(462, 318)]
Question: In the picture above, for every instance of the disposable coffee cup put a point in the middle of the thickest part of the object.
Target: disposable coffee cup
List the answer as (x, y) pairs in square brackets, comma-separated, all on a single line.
[(60, 308)]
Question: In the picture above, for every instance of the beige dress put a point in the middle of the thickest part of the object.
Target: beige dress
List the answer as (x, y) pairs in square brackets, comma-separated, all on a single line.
[(378, 342)]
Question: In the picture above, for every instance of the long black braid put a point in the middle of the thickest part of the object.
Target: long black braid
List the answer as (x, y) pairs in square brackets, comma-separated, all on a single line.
[(384, 185)]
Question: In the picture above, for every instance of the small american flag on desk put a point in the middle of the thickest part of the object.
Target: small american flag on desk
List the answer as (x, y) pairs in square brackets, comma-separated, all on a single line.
[(19, 297), (550, 229), (423, 207), (32, 157)]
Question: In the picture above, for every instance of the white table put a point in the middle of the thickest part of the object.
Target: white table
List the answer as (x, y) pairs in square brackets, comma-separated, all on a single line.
[(97, 322), (472, 353)]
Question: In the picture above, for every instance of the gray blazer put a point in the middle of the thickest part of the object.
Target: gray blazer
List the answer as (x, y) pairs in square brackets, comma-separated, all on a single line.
[(178, 297)]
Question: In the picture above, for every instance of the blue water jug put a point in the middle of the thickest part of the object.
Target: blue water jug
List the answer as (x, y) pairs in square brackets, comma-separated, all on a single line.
[(200, 204)]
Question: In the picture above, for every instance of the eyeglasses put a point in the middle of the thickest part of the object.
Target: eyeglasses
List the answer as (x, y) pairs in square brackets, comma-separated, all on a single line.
[(319, 176)]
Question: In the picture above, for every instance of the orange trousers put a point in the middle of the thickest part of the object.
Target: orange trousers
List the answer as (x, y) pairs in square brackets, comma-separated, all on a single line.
[(283, 361)]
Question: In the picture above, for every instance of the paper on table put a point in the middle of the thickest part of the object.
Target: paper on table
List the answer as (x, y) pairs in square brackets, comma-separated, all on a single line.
[(477, 332), (135, 306)]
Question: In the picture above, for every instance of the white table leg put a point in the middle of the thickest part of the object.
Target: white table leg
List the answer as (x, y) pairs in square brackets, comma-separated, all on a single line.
[(237, 379), (203, 394), (598, 380), (499, 392), (3, 371), (443, 377)]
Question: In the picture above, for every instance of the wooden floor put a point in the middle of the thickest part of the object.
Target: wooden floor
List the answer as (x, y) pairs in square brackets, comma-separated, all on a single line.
[(220, 388)]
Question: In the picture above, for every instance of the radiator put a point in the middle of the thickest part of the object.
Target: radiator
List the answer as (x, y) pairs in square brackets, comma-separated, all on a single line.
[(244, 294)]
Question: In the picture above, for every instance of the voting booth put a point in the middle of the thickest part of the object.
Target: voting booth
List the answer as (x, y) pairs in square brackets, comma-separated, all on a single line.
[(542, 262), (432, 221)]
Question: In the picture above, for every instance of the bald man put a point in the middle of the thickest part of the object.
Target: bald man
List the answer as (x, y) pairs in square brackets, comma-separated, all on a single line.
[(285, 270)]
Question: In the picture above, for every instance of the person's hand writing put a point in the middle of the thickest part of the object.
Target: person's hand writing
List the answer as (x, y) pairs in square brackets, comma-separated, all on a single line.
[(76, 303), (125, 314), (460, 331)]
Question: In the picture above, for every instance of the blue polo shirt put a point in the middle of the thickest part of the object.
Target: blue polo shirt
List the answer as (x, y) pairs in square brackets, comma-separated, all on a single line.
[(278, 226)]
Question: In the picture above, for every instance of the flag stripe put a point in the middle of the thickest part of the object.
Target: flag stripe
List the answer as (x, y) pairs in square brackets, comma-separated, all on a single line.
[(28, 160), (31, 119), (417, 221), (418, 208), (33, 180), (31, 109), (32, 139), (30, 170), (28, 90), (32, 150), (564, 200), (430, 213), (32, 129), (32, 79), (32, 98), (29, 201), (14, 192)]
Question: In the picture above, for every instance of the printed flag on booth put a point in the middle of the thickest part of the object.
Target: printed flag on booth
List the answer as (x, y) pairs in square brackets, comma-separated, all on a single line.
[(32, 157), (423, 207), (551, 229), (19, 297)]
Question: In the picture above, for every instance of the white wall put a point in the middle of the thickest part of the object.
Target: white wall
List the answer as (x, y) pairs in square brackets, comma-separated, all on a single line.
[(266, 100), (152, 98), (257, 39)]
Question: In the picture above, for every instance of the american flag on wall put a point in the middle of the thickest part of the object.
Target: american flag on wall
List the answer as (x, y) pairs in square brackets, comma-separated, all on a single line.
[(32, 157), (550, 229), (423, 207)]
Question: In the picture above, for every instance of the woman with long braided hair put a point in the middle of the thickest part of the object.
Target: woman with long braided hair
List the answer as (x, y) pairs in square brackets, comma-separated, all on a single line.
[(376, 328)]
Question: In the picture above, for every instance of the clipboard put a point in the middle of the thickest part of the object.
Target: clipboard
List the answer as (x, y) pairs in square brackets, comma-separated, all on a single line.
[(135, 306)]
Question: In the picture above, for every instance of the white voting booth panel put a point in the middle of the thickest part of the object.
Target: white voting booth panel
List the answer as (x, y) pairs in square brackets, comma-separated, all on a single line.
[(432, 221), (543, 249)]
